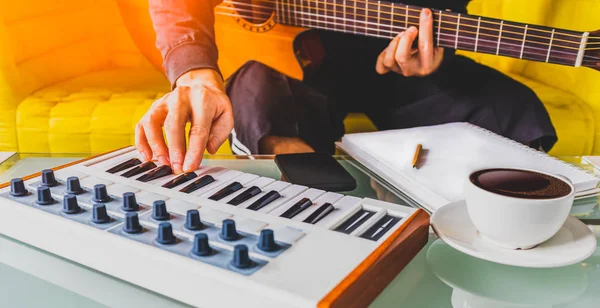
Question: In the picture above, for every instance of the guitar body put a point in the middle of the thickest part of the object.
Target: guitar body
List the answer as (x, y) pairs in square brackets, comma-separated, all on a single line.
[(238, 41)]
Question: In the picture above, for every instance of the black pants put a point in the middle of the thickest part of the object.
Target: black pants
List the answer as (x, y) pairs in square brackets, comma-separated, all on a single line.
[(266, 102)]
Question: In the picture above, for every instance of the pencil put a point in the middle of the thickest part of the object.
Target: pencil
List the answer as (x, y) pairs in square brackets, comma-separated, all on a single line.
[(417, 156)]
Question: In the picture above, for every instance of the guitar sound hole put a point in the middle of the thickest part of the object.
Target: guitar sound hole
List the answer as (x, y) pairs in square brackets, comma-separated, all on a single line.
[(254, 11)]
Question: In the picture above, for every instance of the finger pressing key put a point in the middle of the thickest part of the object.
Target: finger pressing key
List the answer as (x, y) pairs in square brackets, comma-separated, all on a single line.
[(152, 126)]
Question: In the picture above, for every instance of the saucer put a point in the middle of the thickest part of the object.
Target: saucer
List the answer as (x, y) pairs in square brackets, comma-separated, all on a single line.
[(573, 243)]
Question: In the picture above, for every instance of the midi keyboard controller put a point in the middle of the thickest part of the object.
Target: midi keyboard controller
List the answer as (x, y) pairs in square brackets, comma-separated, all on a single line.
[(214, 237)]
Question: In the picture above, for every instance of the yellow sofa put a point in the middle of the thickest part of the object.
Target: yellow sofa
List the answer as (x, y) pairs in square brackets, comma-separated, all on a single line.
[(72, 80)]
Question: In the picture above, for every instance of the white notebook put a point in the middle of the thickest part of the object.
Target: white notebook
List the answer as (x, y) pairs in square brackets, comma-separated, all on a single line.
[(450, 153)]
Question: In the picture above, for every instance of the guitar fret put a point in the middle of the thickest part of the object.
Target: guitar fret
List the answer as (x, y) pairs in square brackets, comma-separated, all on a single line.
[(499, 37), (378, 15), (580, 54), (477, 35), (550, 46), (457, 30), (406, 18), (355, 17), (289, 16), (524, 40), (439, 30), (344, 16), (392, 21)]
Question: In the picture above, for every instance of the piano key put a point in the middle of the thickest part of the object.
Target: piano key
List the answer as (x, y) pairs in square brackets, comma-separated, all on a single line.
[(343, 207), (260, 182), (276, 186), (242, 178), (320, 213), (156, 173), (180, 180), (354, 221), (111, 162), (197, 184), (226, 191), (139, 169), (328, 197), (297, 208), (264, 200), (245, 195), (286, 202), (221, 177), (381, 227), (124, 165)]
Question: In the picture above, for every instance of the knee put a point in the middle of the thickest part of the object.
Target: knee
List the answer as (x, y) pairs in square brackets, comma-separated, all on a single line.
[(251, 76)]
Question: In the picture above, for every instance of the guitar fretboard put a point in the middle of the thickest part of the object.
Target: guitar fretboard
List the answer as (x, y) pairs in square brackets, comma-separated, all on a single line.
[(451, 30)]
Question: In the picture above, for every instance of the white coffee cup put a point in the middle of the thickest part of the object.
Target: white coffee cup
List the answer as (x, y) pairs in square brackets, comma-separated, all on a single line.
[(513, 222)]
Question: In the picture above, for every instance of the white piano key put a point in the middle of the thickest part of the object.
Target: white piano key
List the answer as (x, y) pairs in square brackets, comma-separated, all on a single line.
[(276, 186), (345, 207), (215, 217), (220, 179), (148, 198), (286, 195), (118, 190), (329, 197), (90, 181), (260, 182), (248, 225), (311, 194), (243, 179)]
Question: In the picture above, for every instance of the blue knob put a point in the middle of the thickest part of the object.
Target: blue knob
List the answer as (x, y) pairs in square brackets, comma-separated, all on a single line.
[(130, 203), (201, 245), (192, 220), (100, 194), (17, 188), (165, 234), (99, 214), (48, 178), (159, 210), (266, 241), (74, 186), (132, 223), (241, 259), (228, 231), (70, 205), (44, 197)]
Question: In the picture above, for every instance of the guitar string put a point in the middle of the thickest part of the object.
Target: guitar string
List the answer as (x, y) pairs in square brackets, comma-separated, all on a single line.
[(392, 34), (577, 42), (450, 14), (416, 24)]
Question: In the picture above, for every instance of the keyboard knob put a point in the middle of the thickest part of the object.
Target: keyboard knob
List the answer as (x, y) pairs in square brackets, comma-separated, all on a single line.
[(159, 211), (201, 246), (192, 220), (17, 188), (70, 205), (132, 223), (44, 197), (99, 214), (228, 231), (130, 203), (241, 259), (48, 178), (266, 241), (73, 186), (165, 234), (100, 194)]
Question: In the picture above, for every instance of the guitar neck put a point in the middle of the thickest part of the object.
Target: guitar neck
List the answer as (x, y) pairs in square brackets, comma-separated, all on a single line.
[(451, 30)]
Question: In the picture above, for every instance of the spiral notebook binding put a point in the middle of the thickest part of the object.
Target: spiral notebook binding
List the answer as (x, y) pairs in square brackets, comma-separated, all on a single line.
[(530, 149)]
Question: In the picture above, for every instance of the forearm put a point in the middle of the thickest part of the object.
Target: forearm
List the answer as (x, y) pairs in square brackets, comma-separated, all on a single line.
[(185, 35)]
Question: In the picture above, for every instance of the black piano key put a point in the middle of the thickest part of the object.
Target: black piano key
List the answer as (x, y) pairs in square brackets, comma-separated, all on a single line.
[(383, 225), (297, 208), (354, 221), (197, 184), (226, 191), (244, 196), (124, 165), (320, 213), (147, 166), (156, 174), (264, 200), (180, 180)]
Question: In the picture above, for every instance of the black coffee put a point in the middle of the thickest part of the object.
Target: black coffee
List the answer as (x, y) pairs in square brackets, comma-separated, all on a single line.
[(520, 184)]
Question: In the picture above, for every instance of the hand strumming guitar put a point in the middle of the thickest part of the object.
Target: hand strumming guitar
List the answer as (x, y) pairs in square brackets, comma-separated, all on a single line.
[(199, 98), (400, 57)]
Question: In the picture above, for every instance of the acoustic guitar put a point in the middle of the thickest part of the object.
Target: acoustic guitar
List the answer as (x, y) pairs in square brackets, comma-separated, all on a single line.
[(265, 30)]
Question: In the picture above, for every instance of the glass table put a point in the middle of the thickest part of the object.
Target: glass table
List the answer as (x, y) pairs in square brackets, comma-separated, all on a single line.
[(438, 276)]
